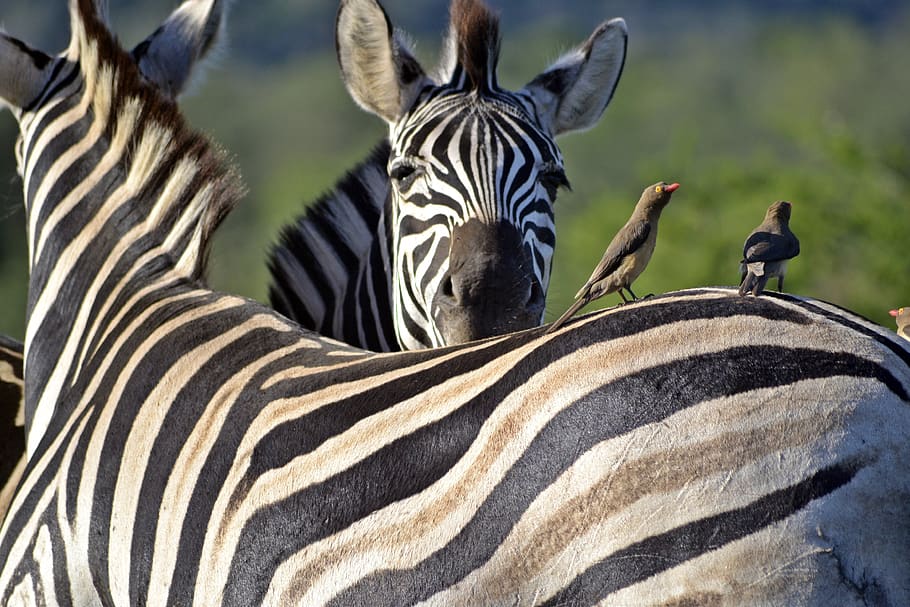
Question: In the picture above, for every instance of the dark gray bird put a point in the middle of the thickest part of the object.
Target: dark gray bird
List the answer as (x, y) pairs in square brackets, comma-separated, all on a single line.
[(767, 250), (628, 254), (902, 317)]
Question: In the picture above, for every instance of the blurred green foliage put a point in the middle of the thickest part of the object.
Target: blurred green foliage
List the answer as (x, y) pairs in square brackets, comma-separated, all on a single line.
[(743, 107)]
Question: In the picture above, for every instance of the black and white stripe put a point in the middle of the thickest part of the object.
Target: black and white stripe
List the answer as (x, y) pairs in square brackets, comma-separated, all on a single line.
[(450, 224), (694, 448)]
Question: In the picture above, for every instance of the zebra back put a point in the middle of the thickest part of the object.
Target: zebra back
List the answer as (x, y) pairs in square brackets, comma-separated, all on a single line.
[(620, 459)]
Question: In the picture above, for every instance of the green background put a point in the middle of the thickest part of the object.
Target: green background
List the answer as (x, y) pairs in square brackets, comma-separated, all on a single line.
[(743, 103)]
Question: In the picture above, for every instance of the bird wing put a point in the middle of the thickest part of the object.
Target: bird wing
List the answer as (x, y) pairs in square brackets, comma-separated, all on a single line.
[(628, 240), (767, 246)]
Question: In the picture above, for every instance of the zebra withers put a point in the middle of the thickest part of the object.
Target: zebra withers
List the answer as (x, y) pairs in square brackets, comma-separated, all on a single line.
[(201, 449), (447, 229)]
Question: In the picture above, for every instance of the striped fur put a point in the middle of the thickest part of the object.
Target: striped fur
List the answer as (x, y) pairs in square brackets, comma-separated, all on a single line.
[(331, 271), (695, 448), (445, 234)]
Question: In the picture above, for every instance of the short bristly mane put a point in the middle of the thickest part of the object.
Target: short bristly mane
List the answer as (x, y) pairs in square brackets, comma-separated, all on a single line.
[(212, 186), (136, 203), (474, 32)]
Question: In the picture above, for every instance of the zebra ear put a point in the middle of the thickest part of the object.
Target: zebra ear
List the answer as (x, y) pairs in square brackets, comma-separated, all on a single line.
[(378, 69), (574, 92), (23, 72), (168, 57)]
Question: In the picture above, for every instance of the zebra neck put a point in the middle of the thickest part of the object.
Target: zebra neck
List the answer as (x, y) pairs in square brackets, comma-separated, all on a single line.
[(121, 198), (331, 270)]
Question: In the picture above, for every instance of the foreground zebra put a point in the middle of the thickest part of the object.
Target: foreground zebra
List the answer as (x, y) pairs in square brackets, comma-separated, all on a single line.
[(445, 234), (696, 448)]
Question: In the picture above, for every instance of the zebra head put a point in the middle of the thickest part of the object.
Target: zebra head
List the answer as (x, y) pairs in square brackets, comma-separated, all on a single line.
[(474, 168)]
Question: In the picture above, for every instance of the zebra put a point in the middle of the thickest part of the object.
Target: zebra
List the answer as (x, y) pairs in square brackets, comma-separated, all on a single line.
[(445, 233), (697, 448)]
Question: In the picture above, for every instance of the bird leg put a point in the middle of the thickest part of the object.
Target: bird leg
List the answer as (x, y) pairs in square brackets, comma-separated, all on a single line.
[(780, 283), (632, 293), (621, 294)]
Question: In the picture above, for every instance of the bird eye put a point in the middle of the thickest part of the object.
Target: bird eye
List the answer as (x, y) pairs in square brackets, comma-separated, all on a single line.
[(658, 189)]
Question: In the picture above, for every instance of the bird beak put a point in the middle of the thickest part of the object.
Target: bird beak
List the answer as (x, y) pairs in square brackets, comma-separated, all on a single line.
[(671, 188), (893, 313)]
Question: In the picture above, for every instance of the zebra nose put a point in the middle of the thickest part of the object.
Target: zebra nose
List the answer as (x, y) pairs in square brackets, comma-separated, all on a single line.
[(490, 287), (536, 296), (462, 294)]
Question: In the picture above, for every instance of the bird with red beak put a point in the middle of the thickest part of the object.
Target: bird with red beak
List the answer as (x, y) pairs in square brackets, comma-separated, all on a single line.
[(628, 254)]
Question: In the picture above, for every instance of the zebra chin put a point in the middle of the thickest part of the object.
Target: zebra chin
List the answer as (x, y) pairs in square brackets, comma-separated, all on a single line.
[(463, 327), (490, 288)]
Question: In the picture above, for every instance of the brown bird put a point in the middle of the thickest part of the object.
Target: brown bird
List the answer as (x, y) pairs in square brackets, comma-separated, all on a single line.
[(767, 250), (628, 254), (902, 316)]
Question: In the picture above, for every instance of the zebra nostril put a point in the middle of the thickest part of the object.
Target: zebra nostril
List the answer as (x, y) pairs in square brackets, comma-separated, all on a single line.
[(535, 295), (447, 288)]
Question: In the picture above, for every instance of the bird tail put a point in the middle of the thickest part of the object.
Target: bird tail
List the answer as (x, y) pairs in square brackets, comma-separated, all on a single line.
[(575, 307), (746, 284), (753, 283)]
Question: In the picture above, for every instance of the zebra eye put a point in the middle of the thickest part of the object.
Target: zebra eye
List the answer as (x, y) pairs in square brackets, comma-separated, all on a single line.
[(552, 180), (403, 173)]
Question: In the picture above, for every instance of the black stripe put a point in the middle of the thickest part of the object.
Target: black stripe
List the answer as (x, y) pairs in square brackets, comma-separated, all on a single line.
[(61, 579), (660, 553), (359, 316), (12, 436), (299, 248), (380, 281), (288, 299), (136, 387), (49, 155), (612, 410), (283, 296), (892, 344), (410, 326)]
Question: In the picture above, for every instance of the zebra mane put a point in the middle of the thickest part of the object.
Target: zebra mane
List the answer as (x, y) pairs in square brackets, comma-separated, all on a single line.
[(320, 258), (119, 91), (472, 45)]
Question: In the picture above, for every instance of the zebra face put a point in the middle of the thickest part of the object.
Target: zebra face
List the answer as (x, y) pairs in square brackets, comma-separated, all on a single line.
[(473, 185), (474, 168)]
